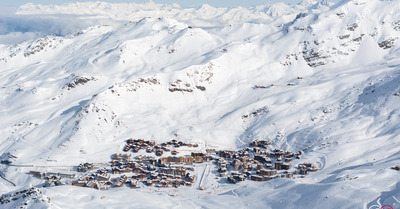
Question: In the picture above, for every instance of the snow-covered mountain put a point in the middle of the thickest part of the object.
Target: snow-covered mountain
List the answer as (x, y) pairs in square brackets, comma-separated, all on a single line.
[(205, 15), (318, 77)]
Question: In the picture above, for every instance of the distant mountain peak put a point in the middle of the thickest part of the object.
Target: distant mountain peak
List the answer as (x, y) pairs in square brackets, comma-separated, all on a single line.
[(324, 3), (308, 2)]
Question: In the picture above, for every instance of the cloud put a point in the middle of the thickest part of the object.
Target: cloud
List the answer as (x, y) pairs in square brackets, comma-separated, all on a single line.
[(17, 37), (19, 28)]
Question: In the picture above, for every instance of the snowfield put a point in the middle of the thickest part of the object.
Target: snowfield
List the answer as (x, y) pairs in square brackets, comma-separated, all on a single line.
[(319, 77)]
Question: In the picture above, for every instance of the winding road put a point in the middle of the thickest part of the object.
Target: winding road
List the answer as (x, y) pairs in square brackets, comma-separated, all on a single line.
[(1, 175)]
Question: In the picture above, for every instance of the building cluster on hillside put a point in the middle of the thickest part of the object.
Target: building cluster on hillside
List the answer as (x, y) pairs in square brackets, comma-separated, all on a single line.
[(149, 171), (51, 178), (258, 162), (150, 146)]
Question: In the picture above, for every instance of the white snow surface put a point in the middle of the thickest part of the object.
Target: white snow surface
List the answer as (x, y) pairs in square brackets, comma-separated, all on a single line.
[(205, 15), (341, 61)]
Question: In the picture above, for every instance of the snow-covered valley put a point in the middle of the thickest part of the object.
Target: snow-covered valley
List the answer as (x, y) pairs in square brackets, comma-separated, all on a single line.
[(316, 77)]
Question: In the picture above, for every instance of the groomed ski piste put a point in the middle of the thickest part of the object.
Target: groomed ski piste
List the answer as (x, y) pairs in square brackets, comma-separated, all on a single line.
[(317, 77)]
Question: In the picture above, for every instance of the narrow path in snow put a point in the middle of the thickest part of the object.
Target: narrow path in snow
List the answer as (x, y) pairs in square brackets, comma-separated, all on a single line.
[(206, 175), (202, 176), (1, 175), (237, 196)]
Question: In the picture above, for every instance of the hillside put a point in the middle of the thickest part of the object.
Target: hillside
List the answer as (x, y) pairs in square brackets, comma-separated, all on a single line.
[(314, 77)]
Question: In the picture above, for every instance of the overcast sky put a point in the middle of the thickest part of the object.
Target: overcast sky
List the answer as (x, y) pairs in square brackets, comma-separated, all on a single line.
[(183, 3)]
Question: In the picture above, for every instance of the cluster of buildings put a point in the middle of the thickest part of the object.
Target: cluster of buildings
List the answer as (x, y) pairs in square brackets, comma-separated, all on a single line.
[(93, 181), (52, 178), (257, 163), (151, 147), (149, 171)]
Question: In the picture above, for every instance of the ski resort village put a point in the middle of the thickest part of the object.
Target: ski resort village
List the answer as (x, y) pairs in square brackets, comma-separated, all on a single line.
[(163, 165)]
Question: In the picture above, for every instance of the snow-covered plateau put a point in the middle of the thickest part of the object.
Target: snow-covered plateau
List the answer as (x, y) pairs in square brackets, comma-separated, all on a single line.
[(317, 77)]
